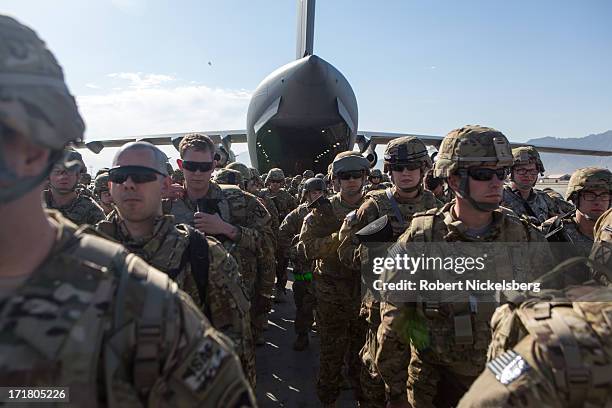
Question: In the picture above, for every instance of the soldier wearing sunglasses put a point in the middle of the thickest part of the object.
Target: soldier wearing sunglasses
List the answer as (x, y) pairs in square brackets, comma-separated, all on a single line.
[(285, 203), (407, 161), (76, 310), (233, 216), (64, 194), (337, 288), (521, 197), (474, 161), (138, 179), (589, 189)]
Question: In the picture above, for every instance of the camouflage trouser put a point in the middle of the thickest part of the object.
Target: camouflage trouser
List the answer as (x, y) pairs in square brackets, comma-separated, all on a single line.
[(281, 270), (372, 384), (342, 334), (432, 385), (304, 298)]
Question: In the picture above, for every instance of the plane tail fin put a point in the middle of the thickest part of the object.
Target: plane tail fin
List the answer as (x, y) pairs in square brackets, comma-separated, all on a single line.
[(305, 28)]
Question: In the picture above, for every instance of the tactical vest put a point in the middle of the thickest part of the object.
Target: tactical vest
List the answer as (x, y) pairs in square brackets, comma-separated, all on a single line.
[(459, 332), (572, 333), (400, 214), (52, 329)]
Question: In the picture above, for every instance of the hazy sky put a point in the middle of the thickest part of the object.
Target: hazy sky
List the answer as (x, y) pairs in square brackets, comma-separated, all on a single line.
[(528, 68)]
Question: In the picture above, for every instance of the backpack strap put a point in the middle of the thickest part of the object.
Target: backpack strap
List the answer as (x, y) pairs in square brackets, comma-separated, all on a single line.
[(395, 207), (200, 264)]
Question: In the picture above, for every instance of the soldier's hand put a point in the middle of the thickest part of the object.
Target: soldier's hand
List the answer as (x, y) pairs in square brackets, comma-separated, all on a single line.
[(210, 224), (174, 192)]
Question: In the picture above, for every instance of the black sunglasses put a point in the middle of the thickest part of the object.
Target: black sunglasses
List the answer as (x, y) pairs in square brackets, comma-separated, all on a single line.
[(138, 174), (407, 166), (195, 166), (347, 175), (486, 174)]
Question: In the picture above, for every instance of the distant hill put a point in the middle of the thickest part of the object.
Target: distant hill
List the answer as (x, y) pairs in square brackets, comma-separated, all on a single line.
[(565, 163)]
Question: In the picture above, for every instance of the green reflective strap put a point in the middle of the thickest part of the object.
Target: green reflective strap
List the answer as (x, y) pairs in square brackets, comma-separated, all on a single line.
[(298, 277), (307, 276)]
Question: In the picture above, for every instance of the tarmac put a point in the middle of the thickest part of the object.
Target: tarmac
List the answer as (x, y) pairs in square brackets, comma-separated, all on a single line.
[(285, 377)]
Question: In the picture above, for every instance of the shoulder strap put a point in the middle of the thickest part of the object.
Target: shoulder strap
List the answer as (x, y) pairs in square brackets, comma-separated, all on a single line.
[(198, 251), (396, 209)]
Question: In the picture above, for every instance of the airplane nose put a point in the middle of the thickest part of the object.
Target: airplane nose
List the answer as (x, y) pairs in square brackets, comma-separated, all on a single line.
[(312, 71)]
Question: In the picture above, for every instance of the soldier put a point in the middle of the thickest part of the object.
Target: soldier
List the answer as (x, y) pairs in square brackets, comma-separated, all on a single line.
[(374, 179), (79, 311), (63, 193), (228, 176), (307, 174), (266, 261), (407, 161), (553, 350), (199, 264), (85, 179), (474, 161), (102, 194), (521, 197), (437, 186), (284, 203), (589, 190), (337, 288), (293, 190), (602, 247), (234, 217), (288, 239)]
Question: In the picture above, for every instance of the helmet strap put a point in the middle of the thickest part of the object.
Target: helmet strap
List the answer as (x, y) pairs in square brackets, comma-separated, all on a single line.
[(464, 192), (21, 186)]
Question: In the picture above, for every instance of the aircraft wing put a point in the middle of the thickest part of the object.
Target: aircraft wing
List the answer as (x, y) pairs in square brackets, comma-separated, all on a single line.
[(366, 138), (226, 137)]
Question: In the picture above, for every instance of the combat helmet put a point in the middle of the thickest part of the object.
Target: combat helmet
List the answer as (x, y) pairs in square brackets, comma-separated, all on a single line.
[(526, 155), (308, 174), (406, 150), (243, 169), (375, 173), (588, 178), (275, 174), (35, 103), (472, 146), (100, 184), (349, 161), (228, 176), (314, 183)]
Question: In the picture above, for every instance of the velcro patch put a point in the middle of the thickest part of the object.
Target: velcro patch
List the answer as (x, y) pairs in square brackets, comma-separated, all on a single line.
[(508, 367)]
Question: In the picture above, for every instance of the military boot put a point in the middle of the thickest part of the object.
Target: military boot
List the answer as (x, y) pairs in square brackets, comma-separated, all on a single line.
[(301, 343)]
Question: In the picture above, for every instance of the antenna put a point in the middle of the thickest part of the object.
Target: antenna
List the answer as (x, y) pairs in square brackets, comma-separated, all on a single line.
[(305, 28)]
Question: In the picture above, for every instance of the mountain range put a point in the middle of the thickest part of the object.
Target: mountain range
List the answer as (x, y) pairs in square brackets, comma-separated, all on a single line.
[(565, 163)]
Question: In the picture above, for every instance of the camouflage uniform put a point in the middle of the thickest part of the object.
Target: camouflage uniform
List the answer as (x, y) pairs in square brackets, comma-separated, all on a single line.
[(82, 210), (303, 292), (284, 203), (100, 186), (337, 289), (375, 173), (602, 248), (92, 317), (243, 210), (168, 249), (553, 350), (377, 204), (266, 261), (565, 229), (539, 206), (440, 372)]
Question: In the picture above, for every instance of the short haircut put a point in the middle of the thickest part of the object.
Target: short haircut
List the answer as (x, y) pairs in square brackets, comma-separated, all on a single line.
[(160, 160), (197, 142)]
